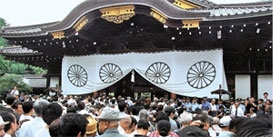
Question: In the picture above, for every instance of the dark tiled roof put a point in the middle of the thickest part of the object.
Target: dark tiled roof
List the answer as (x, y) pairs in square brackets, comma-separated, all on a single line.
[(236, 12), (211, 12), (19, 50)]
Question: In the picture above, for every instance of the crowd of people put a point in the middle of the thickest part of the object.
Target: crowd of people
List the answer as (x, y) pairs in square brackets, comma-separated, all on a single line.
[(106, 116)]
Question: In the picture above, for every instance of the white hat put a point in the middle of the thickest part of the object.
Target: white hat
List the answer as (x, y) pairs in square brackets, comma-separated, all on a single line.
[(2, 122), (224, 121), (110, 114)]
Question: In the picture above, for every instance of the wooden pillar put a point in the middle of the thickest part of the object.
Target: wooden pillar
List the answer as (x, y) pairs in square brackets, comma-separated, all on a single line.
[(254, 85)]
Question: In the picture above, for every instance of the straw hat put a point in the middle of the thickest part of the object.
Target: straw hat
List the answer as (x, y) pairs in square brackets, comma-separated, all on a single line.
[(91, 127)]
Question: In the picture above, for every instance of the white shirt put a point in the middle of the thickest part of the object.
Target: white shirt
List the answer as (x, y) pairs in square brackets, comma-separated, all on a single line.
[(29, 128), (44, 132), (23, 117), (240, 112), (7, 135), (82, 112), (14, 92)]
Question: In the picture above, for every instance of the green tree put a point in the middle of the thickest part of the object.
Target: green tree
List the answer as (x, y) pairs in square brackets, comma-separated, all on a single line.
[(8, 81), (3, 42)]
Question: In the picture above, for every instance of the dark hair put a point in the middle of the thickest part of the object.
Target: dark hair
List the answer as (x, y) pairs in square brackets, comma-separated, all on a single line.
[(161, 116), (71, 125), (159, 108), (134, 121), (121, 105), (235, 123), (203, 118), (10, 99), (8, 117), (81, 105), (260, 125), (16, 104), (51, 112), (53, 128), (27, 106), (71, 110), (164, 127), (143, 124)]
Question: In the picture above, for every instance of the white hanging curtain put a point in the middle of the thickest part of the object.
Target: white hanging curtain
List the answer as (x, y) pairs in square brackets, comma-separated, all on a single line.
[(188, 73)]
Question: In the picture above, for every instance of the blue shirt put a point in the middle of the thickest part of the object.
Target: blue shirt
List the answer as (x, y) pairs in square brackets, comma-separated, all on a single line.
[(206, 106)]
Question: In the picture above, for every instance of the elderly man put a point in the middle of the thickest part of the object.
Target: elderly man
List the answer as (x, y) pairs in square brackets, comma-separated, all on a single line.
[(2, 126), (29, 128), (108, 123), (237, 111)]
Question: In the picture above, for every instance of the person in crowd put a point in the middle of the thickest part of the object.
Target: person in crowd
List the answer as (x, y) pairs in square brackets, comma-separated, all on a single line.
[(91, 127), (162, 116), (14, 92), (29, 128), (9, 102), (108, 123), (235, 123), (72, 125), (224, 124), (266, 97), (144, 115), (53, 128), (124, 125), (194, 104), (122, 106), (129, 101), (27, 116), (18, 108), (252, 113), (12, 126), (81, 108), (2, 126), (213, 108), (205, 105), (259, 126), (260, 110), (268, 107), (252, 103), (185, 119), (142, 128), (28, 112), (214, 127), (221, 112), (49, 113), (221, 103), (170, 111), (164, 128), (188, 104), (198, 128), (247, 106), (237, 111), (71, 102), (132, 127)]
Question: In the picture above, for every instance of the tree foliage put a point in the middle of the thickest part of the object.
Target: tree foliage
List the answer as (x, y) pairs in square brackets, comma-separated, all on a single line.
[(3, 42), (8, 81)]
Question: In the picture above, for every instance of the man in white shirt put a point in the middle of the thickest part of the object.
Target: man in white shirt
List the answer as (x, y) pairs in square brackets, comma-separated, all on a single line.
[(14, 92), (237, 111), (49, 113), (28, 129)]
